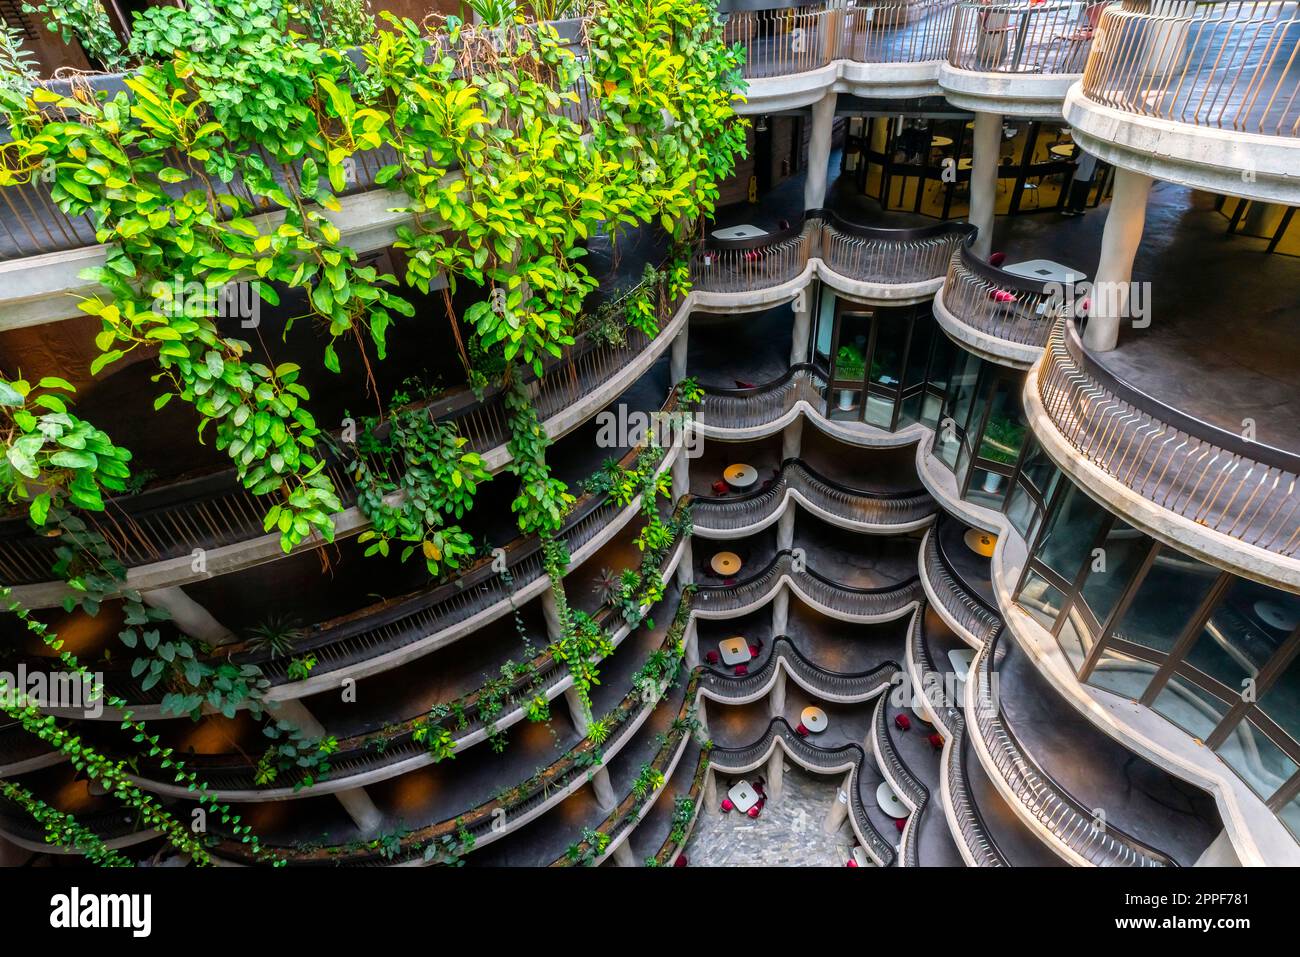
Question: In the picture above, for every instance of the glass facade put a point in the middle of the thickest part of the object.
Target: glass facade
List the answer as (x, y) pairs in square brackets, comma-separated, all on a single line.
[(1212, 653)]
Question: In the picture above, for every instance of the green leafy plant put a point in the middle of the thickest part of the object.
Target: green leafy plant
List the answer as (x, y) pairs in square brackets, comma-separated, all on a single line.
[(86, 22)]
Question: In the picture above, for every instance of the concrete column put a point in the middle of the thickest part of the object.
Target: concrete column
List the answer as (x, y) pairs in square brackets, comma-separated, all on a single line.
[(692, 641), (775, 774), (356, 802), (840, 809), (677, 364), (785, 527), (603, 789), (776, 697), (702, 717), (984, 179), (802, 325), (711, 791), (624, 857), (577, 711), (681, 473), (686, 565), (551, 612), (792, 439), (780, 611), (191, 617), (1119, 242), (819, 152)]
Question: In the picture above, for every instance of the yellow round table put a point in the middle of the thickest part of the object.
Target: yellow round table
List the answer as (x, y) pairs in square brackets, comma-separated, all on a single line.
[(725, 563), (980, 542)]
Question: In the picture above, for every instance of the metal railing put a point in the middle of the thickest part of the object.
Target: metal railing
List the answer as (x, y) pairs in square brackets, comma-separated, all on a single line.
[(1022, 37), (975, 834), (970, 612), (1224, 65), (866, 254), (1209, 476), (999, 304), (837, 686), (874, 603), (1066, 818), (850, 756), (858, 505), (901, 778), (764, 404), (215, 510)]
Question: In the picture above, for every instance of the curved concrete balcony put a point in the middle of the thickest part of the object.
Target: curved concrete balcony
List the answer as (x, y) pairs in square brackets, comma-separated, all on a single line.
[(657, 839), (676, 743), (156, 532), (843, 688), (866, 263), (1016, 58), (359, 760), (906, 785), (67, 790), (396, 631), (1197, 486), (872, 48), (965, 612), (849, 757), (975, 841), (500, 812), (996, 315), (1201, 94), (857, 509), (1077, 832), (739, 414), (826, 596)]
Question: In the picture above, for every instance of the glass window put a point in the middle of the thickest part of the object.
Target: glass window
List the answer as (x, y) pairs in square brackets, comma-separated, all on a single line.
[(1281, 702), (1166, 600), (1191, 707), (1041, 599), (1257, 760), (1122, 552), (1122, 674), (1290, 816), (1034, 486), (1069, 533), (999, 444), (1243, 632)]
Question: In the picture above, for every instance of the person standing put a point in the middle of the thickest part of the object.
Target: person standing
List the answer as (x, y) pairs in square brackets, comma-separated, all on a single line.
[(1084, 173)]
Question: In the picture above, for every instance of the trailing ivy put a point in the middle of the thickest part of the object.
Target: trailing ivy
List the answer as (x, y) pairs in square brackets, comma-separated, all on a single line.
[(62, 829), (86, 22)]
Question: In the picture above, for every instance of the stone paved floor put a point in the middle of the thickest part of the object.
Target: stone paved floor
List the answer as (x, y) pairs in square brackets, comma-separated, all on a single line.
[(787, 834)]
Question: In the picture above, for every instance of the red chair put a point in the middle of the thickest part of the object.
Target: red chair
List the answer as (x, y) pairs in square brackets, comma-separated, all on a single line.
[(727, 806), (742, 384), (902, 722), (711, 657), (1002, 296), (850, 863), (742, 670), (758, 808), (900, 823), (681, 861), (997, 259), (753, 651), (801, 730), (720, 487), (728, 582)]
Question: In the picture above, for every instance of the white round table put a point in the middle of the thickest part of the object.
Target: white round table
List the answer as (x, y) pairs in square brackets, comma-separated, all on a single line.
[(814, 719), (725, 563), (740, 475), (1276, 615), (889, 801)]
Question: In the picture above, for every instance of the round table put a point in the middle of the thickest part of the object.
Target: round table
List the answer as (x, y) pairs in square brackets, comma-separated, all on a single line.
[(1063, 150), (964, 163), (814, 719), (980, 542), (889, 801), (1276, 615), (725, 563), (939, 141), (740, 475)]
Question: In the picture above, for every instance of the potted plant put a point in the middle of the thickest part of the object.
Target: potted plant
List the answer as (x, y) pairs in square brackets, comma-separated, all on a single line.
[(1002, 441), (849, 364)]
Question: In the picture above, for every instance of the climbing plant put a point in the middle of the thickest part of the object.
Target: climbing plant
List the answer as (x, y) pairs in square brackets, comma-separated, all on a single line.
[(86, 22)]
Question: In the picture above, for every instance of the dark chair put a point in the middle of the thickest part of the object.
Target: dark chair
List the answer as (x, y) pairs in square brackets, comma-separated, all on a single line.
[(902, 722), (997, 259), (711, 657)]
